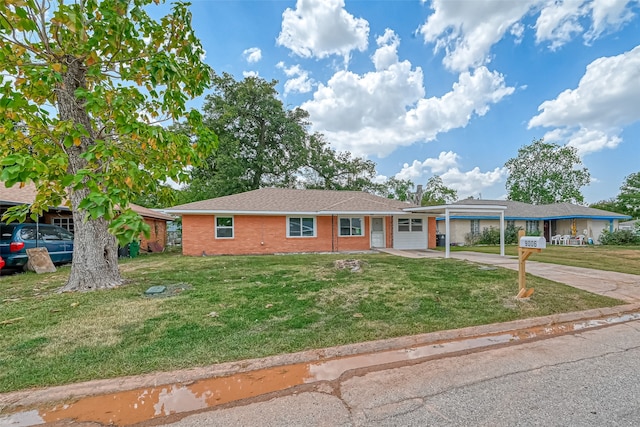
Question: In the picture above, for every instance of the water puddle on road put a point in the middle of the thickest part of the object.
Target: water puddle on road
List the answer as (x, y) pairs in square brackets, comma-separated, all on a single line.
[(135, 406)]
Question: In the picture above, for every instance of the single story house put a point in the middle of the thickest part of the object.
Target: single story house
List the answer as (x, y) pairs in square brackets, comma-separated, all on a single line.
[(629, 225), (62, 216), (282, 220), (545, 220)]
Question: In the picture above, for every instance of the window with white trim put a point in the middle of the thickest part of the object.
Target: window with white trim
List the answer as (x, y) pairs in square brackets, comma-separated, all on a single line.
[(475, 227), (224, 227), (301, 227), (351, 226), (64, 222), (533, 227), (409, 224)]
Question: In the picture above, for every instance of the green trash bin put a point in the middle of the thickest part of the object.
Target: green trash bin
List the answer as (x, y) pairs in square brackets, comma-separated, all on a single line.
[(134, 248)]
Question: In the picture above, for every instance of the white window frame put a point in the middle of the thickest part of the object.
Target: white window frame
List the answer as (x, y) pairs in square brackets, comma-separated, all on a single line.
[(64, 222), (225, 227), (351, 218), (475, 227), (530, 226), (315, 227), (411, 226)]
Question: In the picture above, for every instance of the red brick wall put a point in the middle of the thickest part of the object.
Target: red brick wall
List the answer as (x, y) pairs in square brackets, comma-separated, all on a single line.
[(431, 226), (389, 229), (157, 234), (265, 235)]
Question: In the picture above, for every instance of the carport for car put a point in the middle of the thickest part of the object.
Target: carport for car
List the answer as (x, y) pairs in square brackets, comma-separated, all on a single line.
[(447, 210)]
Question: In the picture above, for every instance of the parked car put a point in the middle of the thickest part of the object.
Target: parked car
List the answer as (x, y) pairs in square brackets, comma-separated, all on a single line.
[(16, 238), (1, 263)]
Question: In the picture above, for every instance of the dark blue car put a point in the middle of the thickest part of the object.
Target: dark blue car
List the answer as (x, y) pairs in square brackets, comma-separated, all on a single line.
[(16, 238)]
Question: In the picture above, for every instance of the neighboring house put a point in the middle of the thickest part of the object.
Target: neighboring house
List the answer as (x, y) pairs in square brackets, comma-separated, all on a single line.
[(629, 225), (545, 220), (62, 216), (279, 220)]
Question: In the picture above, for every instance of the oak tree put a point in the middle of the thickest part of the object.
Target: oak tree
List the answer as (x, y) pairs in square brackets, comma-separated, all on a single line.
[(86, 88), (545, 173), (436, 193)]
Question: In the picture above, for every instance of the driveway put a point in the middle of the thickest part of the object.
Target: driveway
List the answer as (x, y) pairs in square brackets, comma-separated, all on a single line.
[(622, 286)]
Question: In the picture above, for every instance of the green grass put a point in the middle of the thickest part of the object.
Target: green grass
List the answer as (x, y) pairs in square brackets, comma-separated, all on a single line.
[(264, 305), (623, 259)]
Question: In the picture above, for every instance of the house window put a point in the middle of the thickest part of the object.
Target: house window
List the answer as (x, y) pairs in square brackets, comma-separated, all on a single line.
[(475, 227), (410, 224), (224, 227), (532, 227), (301, 227), (66, 223), (511, 223), (351, 227)]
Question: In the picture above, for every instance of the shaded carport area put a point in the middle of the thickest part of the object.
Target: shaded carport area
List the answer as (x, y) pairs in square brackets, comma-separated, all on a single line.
[(447, 210)]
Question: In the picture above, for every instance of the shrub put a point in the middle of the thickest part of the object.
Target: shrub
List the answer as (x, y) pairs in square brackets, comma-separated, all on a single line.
[(619, 237), (491, 236)]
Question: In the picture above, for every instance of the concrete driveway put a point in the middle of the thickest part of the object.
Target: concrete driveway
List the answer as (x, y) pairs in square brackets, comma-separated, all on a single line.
[(622, 286)]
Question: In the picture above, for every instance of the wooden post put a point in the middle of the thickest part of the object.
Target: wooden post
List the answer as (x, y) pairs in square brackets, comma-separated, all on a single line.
[(523, 255)]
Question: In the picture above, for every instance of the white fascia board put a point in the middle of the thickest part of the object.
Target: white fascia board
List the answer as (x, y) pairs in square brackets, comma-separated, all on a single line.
[(369, 213), (458, 208)]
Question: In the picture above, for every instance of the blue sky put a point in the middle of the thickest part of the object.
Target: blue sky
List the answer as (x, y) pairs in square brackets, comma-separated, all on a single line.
[(447, 87)]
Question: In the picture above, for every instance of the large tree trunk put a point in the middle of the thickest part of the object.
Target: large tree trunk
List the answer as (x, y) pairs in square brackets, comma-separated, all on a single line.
[(95, 252)]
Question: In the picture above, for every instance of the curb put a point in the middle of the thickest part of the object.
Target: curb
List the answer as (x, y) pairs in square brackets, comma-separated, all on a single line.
[(20, 400)]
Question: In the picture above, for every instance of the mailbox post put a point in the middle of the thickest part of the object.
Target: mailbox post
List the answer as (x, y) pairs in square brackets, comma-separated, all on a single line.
[(527, 245)]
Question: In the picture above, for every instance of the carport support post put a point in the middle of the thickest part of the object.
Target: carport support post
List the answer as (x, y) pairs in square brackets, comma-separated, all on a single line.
[(447, 237), (502, 233)]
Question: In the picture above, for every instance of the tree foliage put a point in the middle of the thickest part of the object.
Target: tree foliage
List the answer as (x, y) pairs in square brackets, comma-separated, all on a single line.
[(85, 88), (436, 193), (544, 173), (330, 170), (261, 143), (629, 197)]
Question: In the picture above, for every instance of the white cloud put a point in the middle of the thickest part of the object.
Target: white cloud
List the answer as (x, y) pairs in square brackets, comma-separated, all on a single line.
[(376, 112), (252, 55), (322, 28), (609, 14), (559, 22), (469, 183), (473, 182), (467, 30), (250, 74), (591, 116), (299, 81)]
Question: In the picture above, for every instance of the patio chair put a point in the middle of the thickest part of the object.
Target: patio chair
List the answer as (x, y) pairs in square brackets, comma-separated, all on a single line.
[(581, 238), (565, 239), (555, 239)]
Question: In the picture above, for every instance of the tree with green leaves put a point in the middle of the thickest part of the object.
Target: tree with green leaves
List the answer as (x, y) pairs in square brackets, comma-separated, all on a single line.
[(629, 197), (261, 142), (436, 193), (85, 89), (396, 188), (330, 170), (545, 173)]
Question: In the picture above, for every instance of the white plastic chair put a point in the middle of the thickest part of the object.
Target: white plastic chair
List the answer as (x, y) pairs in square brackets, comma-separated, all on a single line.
[(555, 239), (565, 239)]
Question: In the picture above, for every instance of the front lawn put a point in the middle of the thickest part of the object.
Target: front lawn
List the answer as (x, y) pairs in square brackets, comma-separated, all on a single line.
[(233, 308), (623, 259)]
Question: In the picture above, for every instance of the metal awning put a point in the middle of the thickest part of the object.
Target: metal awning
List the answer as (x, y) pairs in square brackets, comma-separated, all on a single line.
[(447, 210)]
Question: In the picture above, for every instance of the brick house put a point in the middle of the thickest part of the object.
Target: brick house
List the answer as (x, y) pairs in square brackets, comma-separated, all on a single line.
[(62, 216), (279, 220)]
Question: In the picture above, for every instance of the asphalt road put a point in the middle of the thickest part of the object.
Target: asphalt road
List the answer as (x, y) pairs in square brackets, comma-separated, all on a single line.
[(584, 379)]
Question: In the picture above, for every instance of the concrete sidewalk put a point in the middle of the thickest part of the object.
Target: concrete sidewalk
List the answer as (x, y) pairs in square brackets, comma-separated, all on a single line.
[(622, 286)]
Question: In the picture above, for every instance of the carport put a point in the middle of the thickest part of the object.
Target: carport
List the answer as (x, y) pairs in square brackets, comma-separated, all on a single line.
[(447, 210)]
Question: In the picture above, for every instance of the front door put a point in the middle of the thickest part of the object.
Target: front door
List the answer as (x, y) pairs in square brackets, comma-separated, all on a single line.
[(377, 233)]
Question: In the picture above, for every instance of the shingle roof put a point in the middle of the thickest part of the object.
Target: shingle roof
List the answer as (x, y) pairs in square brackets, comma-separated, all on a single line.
[(287, 200), (27, 194), (551, 211)]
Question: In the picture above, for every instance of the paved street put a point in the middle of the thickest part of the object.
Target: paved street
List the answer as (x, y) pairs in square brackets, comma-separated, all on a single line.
[(584, 379)]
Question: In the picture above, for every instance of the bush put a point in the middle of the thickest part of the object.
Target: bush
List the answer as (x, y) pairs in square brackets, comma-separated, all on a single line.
[(619, 237), (491, 236)]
